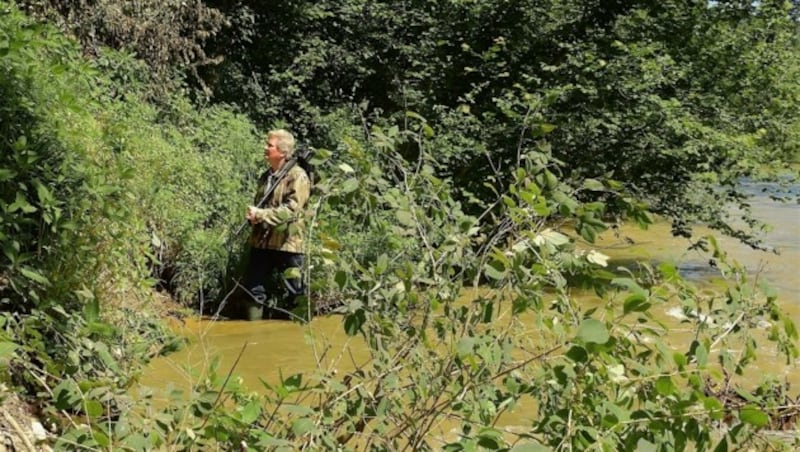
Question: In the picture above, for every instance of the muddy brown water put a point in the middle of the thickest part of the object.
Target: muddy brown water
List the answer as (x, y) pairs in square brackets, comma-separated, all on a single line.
[(274, 348)]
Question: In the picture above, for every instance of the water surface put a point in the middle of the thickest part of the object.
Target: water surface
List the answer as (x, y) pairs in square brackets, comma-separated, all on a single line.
[(275, 348)]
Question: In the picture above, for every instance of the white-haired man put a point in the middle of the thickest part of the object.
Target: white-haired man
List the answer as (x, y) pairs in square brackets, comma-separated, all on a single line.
[(278, 228)]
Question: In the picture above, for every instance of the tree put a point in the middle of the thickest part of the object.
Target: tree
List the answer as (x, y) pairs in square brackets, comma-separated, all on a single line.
[(679, 100), (168, 35)]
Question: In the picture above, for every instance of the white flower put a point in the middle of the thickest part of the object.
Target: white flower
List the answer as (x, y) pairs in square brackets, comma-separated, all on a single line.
[(597, 258), (616, 374)]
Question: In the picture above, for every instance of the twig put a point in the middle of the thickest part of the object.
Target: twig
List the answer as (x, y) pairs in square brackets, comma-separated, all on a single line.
[(224, 384), (21, 433), (727, 331)]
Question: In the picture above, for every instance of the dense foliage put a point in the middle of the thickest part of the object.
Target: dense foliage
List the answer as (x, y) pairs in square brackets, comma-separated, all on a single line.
[(677, 99), (470, 153), (102, 197)]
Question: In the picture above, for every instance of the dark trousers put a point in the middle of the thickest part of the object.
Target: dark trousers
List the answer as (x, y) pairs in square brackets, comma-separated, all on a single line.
[(266, 280)]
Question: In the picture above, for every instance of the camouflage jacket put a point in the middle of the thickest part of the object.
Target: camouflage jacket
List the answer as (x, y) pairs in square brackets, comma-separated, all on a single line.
[(279, 224)]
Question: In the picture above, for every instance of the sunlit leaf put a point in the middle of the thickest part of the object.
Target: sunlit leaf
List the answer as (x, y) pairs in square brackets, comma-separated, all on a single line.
[(93, 408), (531, 448), (715, 408), (302, 426), (552, 237), (7, 349), (754, 416), (598, 258), (495, 270), (405, 218), (593, 331), (350, 185), (382, 264), (593, 184), (465, 346), (665, 386), (34, 275)]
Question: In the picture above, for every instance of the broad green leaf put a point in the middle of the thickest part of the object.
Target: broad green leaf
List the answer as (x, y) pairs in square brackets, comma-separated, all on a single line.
[(550, 179), (45, 197), (679, 359), (790, 328), (382, 264), (33, 275), (295, 409), (67, 395), (665, 386), (531, 448), (414, 115), (7, 349), (488, 312), (102, 439), (21, 143), (752, 415), (340, 278), (495, 270), (331, 244), (465, 346), (646, 446), (6, 174), (490, 438), (21, 203), (292, 382), (350, 185), (636, 303), (699, 352), (405, 218), (552, 237), (588, 233), (136, 441), (105, 356), (593, 184), (354, 322), (91, 310), (302, 426), (292, 273), (593, 331), (577, 354), (715, 408), (93, 408)]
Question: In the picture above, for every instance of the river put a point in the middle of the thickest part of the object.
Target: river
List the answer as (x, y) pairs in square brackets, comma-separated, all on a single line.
[(276, 348)]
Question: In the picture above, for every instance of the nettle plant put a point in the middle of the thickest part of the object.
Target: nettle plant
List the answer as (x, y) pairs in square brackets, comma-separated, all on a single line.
[(465, 319)]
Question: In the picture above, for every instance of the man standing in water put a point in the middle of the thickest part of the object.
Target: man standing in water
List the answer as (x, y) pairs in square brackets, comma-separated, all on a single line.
[(278, 229)]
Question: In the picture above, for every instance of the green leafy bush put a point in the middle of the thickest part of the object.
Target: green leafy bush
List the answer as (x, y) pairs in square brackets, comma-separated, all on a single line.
[(103, 195)]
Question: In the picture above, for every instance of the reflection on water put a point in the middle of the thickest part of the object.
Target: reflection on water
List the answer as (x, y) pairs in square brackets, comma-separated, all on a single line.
[(279, 347)]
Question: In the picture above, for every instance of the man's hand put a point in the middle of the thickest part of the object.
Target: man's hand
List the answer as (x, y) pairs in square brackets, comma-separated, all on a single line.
[(251, 215)]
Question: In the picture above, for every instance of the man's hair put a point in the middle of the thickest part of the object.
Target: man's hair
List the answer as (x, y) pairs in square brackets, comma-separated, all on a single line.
[(285, 141)]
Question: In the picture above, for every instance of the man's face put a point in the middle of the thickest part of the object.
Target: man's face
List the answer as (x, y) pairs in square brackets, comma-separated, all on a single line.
[(271, 153)]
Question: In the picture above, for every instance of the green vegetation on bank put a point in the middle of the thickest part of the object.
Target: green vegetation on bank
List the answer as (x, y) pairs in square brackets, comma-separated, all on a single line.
[(101, 190), (492, 159)]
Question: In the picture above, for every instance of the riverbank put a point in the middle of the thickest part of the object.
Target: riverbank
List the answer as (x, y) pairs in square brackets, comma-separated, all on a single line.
[(20, 429)]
